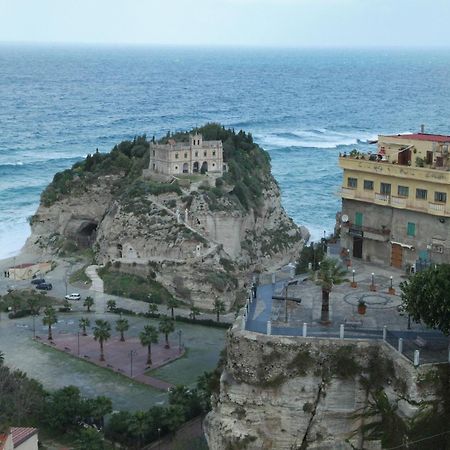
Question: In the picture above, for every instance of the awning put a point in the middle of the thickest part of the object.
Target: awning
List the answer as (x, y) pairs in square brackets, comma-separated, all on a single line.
[(409, 247)]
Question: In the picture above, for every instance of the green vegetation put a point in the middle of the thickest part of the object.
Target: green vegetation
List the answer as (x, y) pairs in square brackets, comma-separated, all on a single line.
[(133, 286), (126, 160), (122, 325), (26, 302), (148, 337), (102, 332), (79, 276), (49, 319), (166, 326), (221, 281), (426, 297), (312, 254)]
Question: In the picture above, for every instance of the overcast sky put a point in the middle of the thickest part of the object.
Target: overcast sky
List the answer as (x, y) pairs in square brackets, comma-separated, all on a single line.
[(284, 23)]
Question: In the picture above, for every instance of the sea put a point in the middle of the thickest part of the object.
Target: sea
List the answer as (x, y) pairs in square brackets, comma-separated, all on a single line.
[(304, 106)]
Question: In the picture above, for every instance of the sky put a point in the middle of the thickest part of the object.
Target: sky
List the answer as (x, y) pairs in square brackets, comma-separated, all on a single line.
[(279, 23)]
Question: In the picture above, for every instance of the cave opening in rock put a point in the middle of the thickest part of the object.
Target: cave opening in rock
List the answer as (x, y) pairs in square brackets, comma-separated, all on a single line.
[(86, 234)]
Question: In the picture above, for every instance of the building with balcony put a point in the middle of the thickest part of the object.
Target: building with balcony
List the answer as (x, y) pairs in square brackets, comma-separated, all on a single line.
[(195, 156), (395, 207)]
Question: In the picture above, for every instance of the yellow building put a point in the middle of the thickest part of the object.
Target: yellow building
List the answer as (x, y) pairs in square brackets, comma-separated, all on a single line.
[(395, 206)]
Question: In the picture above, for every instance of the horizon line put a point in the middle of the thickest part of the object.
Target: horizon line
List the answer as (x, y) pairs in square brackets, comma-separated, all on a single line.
[(223, 46)]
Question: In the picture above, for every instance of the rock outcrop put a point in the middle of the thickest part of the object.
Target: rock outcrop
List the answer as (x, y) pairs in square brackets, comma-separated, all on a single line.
[(306, 393), (200, 235)]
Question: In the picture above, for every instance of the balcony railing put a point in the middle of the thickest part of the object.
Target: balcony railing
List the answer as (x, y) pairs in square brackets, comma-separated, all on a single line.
[(382, 198), (436, 208), (398, 202), (348, 192)]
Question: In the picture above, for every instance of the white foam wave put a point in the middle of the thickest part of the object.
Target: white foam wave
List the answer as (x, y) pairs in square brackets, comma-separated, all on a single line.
[(317, 138)]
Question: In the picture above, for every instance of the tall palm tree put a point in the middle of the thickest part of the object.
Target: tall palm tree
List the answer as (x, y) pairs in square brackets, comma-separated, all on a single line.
[(166, 326), (49, 319), (88, 303), (122, 325), (83, 323), (194, 312), (172, 303), (111, 305), (152, 308), (329, 274), (102, 332), (148, 337), (219, 308)]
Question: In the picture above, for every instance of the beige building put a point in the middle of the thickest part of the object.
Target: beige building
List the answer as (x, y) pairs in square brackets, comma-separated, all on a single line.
[(395, 207), (196, 156), (28, 270)]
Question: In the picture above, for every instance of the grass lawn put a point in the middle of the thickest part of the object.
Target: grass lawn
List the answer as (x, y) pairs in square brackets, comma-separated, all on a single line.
[(204, 345)]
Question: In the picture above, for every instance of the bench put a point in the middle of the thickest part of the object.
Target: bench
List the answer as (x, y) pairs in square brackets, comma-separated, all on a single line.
[(420, 342)]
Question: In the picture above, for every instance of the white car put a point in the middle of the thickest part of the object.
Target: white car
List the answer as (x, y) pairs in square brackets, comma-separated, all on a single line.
[(73, 296)]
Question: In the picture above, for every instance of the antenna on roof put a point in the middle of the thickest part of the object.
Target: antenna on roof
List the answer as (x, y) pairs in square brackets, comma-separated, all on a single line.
[(422, 128)]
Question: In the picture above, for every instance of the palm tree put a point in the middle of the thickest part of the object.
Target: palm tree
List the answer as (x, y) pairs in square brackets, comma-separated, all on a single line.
[(330, 273), (111, 305), (33, 305), (83, 323), (88, 302), (102, 332), (2, 358), (49, 319), (166, 326), (194, 312), (122, 325), (219, 308), (152, 308), (172, 302), (148, 337)]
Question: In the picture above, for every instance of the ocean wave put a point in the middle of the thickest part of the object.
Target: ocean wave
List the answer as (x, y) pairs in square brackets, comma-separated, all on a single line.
[(43, 161), (314, 138)]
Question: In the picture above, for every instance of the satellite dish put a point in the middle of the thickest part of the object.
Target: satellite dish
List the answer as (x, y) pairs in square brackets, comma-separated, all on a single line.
[(344, 218)]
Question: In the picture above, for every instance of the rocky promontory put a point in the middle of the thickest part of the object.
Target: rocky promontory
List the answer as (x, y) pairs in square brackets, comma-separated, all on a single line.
[(198, 235)]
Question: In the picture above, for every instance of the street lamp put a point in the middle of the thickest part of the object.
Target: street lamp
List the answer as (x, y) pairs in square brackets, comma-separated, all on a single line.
[(159, 438), (34, 325), (372, 286), (132, 353), (289, 283), (391, 288), (353, 285), (78, 343), (179, 332)]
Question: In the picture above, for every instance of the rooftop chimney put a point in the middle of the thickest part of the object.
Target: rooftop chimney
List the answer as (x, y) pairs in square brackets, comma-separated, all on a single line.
[(422, 128)]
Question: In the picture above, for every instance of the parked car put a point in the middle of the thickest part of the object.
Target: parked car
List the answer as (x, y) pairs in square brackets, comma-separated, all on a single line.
[(44, 286), (73, 296), (37, 281)]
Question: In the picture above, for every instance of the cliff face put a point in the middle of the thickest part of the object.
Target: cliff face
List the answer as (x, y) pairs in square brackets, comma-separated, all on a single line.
[(207, 230), (297, 393)]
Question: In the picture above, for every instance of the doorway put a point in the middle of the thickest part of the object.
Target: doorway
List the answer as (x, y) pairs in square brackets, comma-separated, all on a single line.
[(357, 247)]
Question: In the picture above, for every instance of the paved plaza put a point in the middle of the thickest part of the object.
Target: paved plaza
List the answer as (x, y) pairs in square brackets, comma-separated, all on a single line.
[(128, 358), (382, 310)]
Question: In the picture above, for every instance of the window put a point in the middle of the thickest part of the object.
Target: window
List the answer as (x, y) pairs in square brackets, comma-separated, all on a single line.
[(352, 182), (403, 191), (411, 229), (421, 194), (176, 155), (440, 197), (196, 153), (214, 153), (368, 185), (198, 142), (358, 219), (204, 153), (153, 152), (385, 188), (185, 155)]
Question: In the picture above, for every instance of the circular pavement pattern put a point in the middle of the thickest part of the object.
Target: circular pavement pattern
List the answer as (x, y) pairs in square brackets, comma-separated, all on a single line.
[(373, 300)]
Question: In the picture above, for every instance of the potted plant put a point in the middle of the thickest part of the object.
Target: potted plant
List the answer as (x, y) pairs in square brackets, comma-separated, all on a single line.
[(362, 307)]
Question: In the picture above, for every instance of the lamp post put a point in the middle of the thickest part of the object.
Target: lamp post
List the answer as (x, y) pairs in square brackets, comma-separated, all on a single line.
[(132, 353), (179, 332), (34, 325), (159, 438), (289, 283), (353, 284), (391, 287), (372, 286), (78, 343)]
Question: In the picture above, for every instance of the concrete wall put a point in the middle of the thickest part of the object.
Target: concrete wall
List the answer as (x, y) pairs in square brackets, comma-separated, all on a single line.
[(431, 233), (29, 444)]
